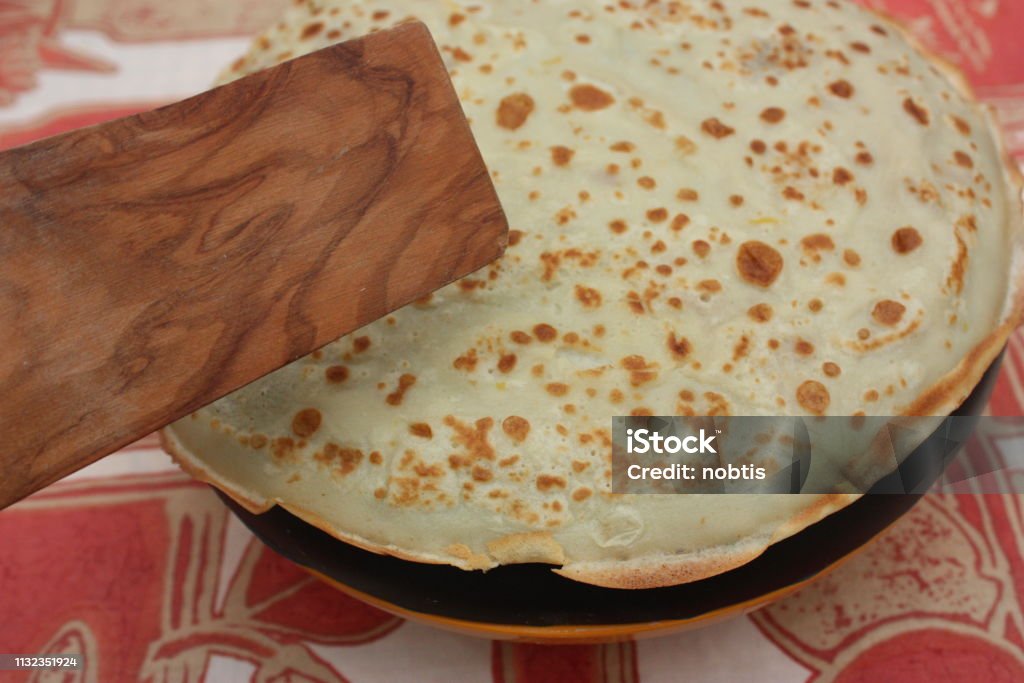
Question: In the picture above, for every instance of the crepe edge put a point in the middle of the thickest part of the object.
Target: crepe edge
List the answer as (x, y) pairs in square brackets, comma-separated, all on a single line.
[(947, 393), (670, 570)]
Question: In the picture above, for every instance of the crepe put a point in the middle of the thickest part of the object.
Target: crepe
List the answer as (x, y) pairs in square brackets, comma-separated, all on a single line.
[(715, 209)]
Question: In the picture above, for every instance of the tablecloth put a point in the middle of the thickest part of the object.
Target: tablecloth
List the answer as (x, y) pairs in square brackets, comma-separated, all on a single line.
[(144, 572)]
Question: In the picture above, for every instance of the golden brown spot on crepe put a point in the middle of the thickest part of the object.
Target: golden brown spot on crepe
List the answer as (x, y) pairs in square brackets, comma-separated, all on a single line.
[(741, 349), (546, 482), (761, 313), (455, 19), (657, 215), (803, 347), (882, 340), (736, 199), (514, 237), (851, 257), (919, 113), (817, 242), (831, 369), (407, 490), (473, 439), (360, 344), (773, 115), (257, 441), (863, 333), (646, 182), (481, 473), (424, 470), (815, 305), (792, 193), (686, 194), (701, 248), (841, 176), (961, 125), (680, 221), (336, 374), (544, 332), (514, 110), (557, 388), (709, 286), (590, 98), (906, 240), (758, 146), (348, 459), (864, 158), (588, 296), (380, 15), (520, 337), (421, 429), (716, 128), (640, 371), (579, 465), (679, 346), (517, 428), (860, 47), (871, 396), (622, 146), (618, 226), (405, 382), (758, 263), (963, 159), (306, 422), (581, 494), (376, 458), (955, 279), (565, 215), (841, 88), (717, 405), (466, 361), (311, 30), (507, 362), (813, 397), (282, 448), (888, 312), (344, 460), (561, 156)]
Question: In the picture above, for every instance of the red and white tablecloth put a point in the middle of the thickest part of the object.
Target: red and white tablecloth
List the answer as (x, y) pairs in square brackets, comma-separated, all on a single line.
[(145, 572)]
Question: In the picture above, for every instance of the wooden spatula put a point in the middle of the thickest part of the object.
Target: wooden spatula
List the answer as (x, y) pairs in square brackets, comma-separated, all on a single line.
[(151, 265)]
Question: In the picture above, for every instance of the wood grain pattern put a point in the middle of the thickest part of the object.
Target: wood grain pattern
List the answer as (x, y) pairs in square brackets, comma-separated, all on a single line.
[(153, 264)]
